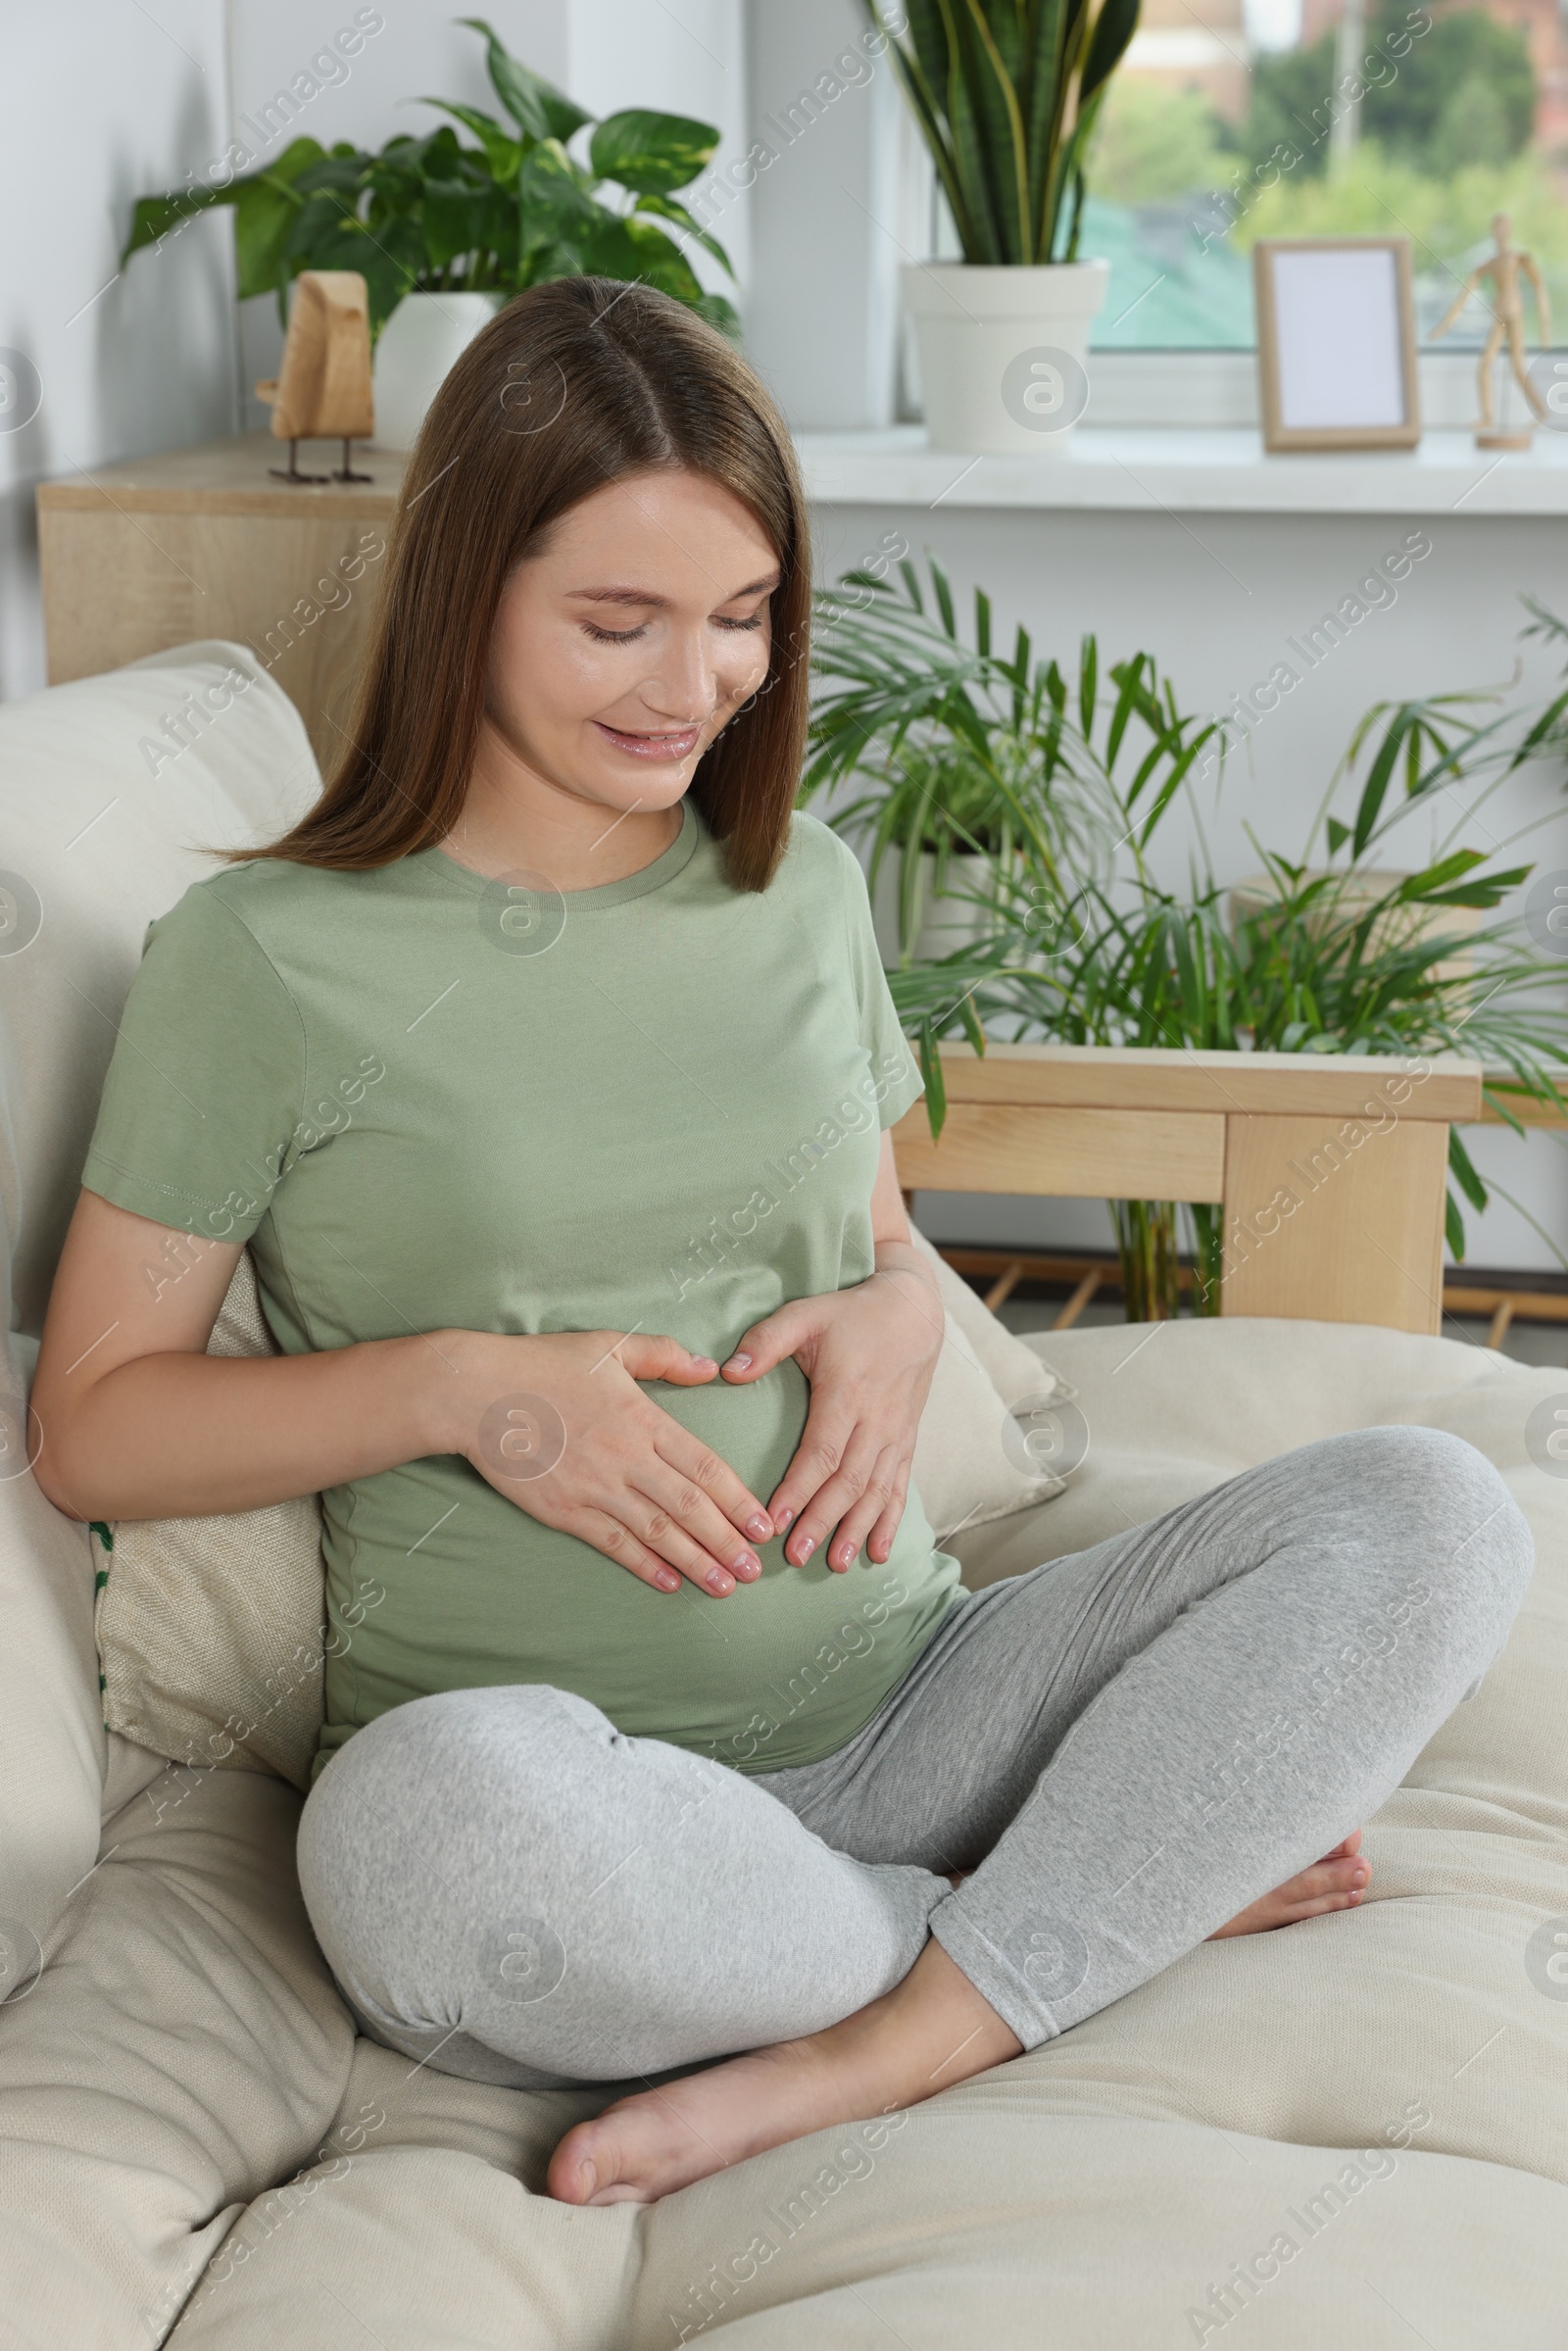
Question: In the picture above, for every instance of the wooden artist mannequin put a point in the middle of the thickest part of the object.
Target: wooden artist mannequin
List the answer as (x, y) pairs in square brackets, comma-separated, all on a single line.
[(1504, 268)]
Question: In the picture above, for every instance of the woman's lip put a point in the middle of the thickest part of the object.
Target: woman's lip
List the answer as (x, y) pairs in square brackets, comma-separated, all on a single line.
[(674, 745)]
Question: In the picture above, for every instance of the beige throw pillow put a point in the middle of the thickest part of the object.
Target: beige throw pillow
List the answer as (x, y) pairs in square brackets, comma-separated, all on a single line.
[(210, 1630), (212, 1634)]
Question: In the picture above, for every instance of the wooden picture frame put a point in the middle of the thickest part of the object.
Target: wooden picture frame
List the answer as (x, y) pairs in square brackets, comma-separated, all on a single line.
[(1359, 291)]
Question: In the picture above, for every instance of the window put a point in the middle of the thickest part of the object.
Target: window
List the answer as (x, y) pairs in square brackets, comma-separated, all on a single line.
[(1324, 118)]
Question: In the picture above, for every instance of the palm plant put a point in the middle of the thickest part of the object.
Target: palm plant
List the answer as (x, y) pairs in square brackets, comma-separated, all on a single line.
[(1345, 959), (958, 750), (1007, 94), (434, 215)]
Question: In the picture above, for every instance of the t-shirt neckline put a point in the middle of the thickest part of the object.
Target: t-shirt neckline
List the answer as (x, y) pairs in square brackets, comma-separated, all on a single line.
[(670, 862)]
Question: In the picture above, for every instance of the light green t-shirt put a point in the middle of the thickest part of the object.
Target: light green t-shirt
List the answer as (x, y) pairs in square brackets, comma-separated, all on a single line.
[(432, 1102)]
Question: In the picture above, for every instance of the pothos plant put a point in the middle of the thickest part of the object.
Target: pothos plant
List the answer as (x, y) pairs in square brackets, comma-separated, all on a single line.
[(435, 215)]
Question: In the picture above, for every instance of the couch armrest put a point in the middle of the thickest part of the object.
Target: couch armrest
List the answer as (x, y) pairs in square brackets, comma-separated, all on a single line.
[(1331, 1169), (52, 1740)]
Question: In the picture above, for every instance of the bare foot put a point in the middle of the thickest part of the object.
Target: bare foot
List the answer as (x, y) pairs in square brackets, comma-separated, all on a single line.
[(931, 2030), (1336, 1883)]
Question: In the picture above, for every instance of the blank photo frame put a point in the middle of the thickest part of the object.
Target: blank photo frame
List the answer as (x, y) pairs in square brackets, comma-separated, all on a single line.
[(1336, 343)]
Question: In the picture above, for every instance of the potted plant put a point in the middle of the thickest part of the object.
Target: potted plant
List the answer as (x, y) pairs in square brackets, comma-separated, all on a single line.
[(1005, 94), (1329, 956), (964, 760), (444, 233)]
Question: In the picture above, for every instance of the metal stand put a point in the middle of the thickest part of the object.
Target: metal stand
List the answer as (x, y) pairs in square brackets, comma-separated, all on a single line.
[(345, 472), (291, 471)]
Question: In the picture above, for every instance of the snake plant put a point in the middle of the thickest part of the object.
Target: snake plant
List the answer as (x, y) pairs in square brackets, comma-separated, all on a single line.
[(1005, 94)]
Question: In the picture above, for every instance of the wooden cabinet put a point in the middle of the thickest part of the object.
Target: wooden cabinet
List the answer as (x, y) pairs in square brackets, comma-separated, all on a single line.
[(205, 542)]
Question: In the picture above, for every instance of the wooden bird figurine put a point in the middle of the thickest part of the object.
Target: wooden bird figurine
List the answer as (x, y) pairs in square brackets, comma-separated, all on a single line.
[(322, 391)]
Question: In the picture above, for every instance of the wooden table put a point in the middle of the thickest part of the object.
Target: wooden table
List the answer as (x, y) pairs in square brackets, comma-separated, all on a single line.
[(205, 542)]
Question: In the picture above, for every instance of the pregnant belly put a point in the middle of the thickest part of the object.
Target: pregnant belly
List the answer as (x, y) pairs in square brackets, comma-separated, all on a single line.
[(439, 1582)]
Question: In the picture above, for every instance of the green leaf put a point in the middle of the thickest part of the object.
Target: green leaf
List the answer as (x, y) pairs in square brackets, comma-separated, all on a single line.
[(651, 255), (936, 1091), (535, 105), (503, 153), (1464, 1174), (668, 210), (1114, 28), (346, 174), (651, 153), (453, 219), (1337, 834), (263, 219), (1088, 684), (720, 313), (263, 204), (158, 217), (943, 596), (550, 192)]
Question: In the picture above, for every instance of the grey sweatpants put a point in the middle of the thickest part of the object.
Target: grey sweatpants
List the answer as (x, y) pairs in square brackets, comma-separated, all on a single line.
[(1126, 1746)]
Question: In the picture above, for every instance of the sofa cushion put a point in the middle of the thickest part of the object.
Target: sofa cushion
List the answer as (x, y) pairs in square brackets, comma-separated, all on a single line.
[(184, 2055), (211, 1631), (1166, 1410), (104, 834), (95, 844), (51, 1726)]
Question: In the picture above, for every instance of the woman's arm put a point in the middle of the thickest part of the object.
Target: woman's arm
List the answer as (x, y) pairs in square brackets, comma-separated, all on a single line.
[(869, 1355), (137, 1421)]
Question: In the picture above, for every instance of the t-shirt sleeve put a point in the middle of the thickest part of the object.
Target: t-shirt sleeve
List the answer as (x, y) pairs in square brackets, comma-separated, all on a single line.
[(895, 1073), (201, 1112)]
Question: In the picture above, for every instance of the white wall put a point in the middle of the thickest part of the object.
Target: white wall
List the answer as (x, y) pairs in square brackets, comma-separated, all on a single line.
[(828, 233), (103, 103), (106, 101)]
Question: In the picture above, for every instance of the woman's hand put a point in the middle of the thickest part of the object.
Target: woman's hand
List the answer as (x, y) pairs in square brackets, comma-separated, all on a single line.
[(560, 1427), (869, 1355)]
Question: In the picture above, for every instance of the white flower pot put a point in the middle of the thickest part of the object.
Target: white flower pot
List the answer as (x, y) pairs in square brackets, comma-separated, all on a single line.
[(1002, 352), (942, 923), (415, 350)]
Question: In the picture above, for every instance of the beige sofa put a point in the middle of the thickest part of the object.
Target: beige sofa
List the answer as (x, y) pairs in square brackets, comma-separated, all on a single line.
[(1353, 2131)]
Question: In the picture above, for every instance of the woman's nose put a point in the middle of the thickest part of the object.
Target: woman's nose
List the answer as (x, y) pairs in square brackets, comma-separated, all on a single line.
[(684, 687)]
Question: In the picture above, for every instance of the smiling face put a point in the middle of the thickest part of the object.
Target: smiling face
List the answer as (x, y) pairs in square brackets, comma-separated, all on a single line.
[(622, 648)]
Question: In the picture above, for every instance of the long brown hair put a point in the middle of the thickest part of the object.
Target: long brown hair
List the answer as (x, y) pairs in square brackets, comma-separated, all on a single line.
[(575, 384)]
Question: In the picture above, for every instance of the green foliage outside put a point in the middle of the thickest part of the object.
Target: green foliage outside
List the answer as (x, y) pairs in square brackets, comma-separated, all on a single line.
[(1178, 197), (1380, 196), (1459, 94), (1155, 143)]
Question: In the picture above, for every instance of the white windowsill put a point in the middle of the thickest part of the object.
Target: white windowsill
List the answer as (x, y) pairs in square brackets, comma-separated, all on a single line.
[(1212, 471)]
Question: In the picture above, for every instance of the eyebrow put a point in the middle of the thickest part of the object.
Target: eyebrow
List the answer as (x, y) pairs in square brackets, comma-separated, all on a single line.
[(645, 595)]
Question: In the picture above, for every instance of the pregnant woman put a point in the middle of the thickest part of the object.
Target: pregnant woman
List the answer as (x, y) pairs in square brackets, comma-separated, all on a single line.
[(546, 1066)]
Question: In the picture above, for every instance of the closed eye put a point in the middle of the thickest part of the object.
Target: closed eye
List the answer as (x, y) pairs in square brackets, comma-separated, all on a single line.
[(629, 636)]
